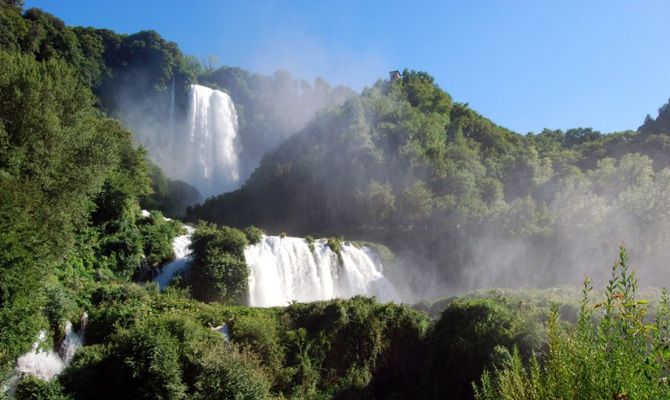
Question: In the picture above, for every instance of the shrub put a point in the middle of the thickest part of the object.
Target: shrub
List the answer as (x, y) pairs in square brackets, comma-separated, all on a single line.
[(157, 234), (471, 336), (335, 244), (347, 349), (31, 388), (219, 271), (228, 374), (59, 307), (156, 359), (253, 234), (310, 243), (622, 357), (114, 308), (260, 333)]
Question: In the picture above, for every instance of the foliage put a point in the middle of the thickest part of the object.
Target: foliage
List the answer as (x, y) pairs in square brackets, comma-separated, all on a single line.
[(253, 234), (335, 245), (143, 343), (471, 336), (61, 165), (219, 271), (658, 125), (403, 165), (30, 388), (171, 197), (229, 374), (623, 356), (157, 358), (157, 234), (310, 243), (349, 348)]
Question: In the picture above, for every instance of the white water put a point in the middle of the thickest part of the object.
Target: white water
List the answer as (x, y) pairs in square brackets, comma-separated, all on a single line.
[(46, 364), (211, 161), (73, 340), (182, 252), (283, 270), (43, 364), (201, 149)]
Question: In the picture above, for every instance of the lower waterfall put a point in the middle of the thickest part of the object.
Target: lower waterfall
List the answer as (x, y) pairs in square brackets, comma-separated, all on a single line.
[(286, 269), (282, 270), (182, 258)]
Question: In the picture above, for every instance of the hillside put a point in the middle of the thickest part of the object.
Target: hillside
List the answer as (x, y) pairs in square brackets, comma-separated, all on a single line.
[(463, 203), (456, 195)]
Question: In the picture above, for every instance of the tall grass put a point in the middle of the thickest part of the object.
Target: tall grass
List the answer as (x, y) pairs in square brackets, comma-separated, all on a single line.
[(615, 351)]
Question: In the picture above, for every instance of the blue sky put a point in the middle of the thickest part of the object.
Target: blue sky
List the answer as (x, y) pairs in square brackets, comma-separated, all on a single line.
[(526, 64)]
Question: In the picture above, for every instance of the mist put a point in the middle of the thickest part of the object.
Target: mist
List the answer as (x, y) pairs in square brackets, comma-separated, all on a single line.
[(465, 207), (215, 146), (477, 206)]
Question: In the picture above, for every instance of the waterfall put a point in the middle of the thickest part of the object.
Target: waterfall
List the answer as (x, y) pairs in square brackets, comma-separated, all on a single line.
[(46, 364), (180, 246), (73, 340), (201, 146), (211, 160), (283, 270), (43, 364), (172, 104)]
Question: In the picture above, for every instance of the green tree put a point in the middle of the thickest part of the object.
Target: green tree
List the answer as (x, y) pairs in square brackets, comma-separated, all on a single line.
[(219, 271)]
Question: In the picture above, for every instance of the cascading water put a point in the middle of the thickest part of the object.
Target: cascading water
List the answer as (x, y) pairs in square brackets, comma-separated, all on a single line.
[(73, 340), (46, 364), (172, 104), (201, 146), (180, 246), (211, 161), (43, 364), (283, 270)]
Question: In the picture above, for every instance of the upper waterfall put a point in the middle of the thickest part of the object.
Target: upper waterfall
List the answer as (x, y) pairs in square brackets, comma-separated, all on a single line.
[(211, 160), (200, 147), (282, 270)]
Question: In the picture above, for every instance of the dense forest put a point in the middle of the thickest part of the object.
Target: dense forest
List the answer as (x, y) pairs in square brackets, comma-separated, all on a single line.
[(456, 195), (470, 203)]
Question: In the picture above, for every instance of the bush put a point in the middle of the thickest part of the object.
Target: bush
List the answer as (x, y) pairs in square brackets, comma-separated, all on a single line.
[(218, 271), (115, 307), (310, 243), (253, 234), (166, 357), (156, 359), (259, 333), (471, 336), (59, 307), (335, 244), (157, 235), (228, 374), (31, 388), (622, 357), (350, 348)]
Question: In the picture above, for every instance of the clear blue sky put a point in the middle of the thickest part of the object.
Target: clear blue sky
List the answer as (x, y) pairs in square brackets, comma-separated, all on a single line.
[(526, 64)]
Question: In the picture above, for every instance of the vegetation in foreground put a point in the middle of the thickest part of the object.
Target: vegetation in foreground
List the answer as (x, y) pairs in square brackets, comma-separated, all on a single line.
[(614, 351), (73, 240)]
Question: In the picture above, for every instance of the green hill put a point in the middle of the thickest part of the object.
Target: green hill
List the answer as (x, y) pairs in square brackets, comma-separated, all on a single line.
[(457, 196)]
